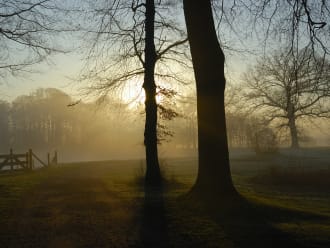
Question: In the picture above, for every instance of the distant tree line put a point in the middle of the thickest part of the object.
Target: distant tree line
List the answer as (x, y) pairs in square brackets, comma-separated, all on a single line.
[(49, 119), (43, 121)]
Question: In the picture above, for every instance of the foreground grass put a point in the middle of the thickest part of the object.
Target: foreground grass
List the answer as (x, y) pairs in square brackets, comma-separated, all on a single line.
[(100, 204), (14, 185)]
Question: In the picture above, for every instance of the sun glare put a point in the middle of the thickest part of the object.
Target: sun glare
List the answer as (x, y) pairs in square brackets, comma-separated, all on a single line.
[(133, 94)]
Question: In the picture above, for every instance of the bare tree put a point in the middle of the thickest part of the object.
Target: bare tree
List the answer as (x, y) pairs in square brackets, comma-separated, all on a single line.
[(136, 39), (296, 23), (27, 31), (288, 88)]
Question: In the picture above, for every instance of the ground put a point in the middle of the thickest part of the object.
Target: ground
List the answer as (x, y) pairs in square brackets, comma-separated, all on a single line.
[(102, 204)]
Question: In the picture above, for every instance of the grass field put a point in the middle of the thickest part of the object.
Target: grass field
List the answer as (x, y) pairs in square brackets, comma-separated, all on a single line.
[(102, 204)]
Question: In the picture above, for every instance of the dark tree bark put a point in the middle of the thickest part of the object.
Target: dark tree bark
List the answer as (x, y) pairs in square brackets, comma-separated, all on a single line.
[(153, 176), (293, 132), (214, 177)]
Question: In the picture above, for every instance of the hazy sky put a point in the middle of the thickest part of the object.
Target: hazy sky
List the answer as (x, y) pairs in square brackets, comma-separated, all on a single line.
[(63, 69), (61, 73), (57, 74)]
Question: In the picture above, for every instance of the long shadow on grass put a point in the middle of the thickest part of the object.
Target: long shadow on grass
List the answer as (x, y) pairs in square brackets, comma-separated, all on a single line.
[(153, 232), (248, 224)]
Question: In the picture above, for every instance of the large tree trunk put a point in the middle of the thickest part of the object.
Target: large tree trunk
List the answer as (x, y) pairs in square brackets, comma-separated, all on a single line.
[(150, 133), (214, 177)]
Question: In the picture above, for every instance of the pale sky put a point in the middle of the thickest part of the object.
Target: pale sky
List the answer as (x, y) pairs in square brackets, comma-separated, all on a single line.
[(65, 68), (58, 74)]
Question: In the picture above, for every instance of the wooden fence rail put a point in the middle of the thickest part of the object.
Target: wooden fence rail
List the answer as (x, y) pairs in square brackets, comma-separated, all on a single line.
[(24, 161)]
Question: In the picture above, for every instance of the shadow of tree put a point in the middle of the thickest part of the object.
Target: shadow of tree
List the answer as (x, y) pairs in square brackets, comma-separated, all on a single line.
[(248, 224), (154, 229), (229, 222)]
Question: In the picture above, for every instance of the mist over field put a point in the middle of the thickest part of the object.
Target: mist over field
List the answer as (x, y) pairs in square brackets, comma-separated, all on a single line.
[(49, 120)]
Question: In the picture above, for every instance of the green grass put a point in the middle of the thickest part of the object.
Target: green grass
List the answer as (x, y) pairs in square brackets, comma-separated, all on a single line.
[(102, 204), (14, 185)]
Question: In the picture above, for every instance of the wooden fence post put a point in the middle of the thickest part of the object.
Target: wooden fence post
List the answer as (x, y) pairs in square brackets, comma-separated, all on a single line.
[(30, 159), (55, 157), (11, 159), (27, 160)]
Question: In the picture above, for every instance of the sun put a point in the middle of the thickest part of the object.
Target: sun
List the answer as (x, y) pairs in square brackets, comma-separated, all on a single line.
[(133, 94)]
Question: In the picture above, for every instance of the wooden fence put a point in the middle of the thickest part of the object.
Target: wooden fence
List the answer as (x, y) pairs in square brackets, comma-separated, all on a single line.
[(24, 161)]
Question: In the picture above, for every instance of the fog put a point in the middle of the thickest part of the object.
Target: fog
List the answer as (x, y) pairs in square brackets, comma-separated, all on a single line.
[(49, 120)]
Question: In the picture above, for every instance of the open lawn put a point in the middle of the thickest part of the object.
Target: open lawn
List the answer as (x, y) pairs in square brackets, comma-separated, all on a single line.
[(102, 204)]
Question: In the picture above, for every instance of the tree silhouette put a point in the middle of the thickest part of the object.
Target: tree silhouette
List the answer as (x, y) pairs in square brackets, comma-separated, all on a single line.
[(214, 177), (140, 40), (289, 88), (153, 176), (27, 33)]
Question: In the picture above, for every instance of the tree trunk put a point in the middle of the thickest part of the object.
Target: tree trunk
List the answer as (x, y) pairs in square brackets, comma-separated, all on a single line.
[(292, 121), (150, 133), (214, 177), (293, 132)]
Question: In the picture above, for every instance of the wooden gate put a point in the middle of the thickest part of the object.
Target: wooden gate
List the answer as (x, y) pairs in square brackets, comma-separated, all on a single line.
[(16, 161), (23, 161)]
